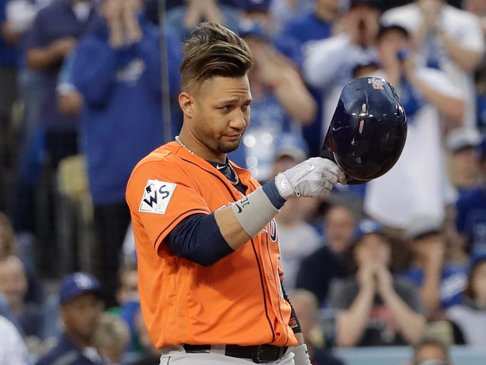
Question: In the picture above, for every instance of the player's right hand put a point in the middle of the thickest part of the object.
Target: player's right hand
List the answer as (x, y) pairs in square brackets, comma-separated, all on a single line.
[(314, 177)]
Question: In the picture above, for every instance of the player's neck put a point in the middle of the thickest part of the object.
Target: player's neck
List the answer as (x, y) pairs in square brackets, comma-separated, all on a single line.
[(190, 142)]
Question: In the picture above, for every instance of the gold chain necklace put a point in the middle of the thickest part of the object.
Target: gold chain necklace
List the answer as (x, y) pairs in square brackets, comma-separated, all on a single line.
[(178, 140)]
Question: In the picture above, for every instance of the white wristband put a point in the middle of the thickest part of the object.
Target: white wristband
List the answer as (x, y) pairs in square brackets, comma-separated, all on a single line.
[(254, 211)]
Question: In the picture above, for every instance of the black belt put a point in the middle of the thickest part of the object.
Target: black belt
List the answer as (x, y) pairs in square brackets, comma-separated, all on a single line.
[(258, 354)]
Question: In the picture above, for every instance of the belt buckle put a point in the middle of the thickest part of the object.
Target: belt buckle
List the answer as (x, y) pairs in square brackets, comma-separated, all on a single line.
[(265, 353), (259, 356)]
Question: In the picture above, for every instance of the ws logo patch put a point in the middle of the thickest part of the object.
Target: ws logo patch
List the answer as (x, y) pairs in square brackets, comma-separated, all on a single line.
[(156, 196)]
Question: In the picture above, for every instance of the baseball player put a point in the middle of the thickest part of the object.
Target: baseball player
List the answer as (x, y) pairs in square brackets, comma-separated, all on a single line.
[(208, 254)]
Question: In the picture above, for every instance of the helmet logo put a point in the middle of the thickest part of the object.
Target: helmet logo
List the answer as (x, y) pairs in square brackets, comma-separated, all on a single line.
[(376, 83)]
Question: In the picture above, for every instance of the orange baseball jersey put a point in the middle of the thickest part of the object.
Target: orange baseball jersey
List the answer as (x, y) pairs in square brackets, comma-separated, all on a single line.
[(238, 300)]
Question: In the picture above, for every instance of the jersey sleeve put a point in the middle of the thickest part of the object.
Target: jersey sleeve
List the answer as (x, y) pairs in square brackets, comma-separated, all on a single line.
[(160, 195)]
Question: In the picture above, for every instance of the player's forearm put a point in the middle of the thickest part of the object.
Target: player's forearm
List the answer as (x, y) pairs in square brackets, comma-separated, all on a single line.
[(241, 220)]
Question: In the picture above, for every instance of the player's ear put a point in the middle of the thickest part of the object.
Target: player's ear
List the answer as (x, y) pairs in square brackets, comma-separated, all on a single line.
[(186, 103)]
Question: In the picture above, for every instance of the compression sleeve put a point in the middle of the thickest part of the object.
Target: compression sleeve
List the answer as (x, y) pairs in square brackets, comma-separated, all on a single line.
[(198, 238)]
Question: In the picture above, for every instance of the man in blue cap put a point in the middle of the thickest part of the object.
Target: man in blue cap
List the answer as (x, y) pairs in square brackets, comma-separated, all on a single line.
[(80, 307)]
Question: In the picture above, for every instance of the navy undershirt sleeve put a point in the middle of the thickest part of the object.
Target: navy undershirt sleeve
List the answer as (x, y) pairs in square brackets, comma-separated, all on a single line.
[(198, 238), (273, 195)]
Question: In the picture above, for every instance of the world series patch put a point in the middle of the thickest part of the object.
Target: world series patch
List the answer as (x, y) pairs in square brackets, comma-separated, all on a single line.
[(156, 196)]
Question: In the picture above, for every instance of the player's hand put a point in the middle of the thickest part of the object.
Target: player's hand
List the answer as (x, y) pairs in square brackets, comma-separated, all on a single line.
[(314, 177)]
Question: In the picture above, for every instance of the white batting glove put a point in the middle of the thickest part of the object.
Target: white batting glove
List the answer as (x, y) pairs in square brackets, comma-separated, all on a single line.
[(301, 355), (314, 177)]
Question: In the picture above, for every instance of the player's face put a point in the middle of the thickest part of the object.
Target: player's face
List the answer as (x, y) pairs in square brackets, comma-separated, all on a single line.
[(221, 113)]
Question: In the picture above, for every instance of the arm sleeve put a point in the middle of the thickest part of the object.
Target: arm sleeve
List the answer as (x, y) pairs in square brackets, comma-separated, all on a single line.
[(35, 36), (323, 59), (198, 238), (149, 50), (160, 196), (94, 80)]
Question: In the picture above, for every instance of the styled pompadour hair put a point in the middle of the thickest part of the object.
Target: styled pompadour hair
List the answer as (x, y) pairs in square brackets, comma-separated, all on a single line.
[(213, 50)]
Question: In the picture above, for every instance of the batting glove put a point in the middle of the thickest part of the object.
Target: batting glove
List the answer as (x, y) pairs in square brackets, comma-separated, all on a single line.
[(314, 177)]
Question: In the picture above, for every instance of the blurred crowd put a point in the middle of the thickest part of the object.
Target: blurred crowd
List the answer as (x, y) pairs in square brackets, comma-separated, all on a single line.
[(89, 87)]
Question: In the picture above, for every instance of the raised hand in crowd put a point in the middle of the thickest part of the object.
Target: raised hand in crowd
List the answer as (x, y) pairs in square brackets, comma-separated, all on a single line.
[(123, 24), (361, 25), (202, 10)]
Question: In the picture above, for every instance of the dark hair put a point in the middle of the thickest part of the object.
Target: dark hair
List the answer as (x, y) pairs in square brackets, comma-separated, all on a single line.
[(213, 50), (430, 341), (385, 29)]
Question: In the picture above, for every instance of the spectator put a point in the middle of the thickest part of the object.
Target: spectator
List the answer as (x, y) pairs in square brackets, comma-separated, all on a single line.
[(13, 286), (431, 102), (306, 307), (470, 316), (328, 262), (471, 210), (111, 338), (53, 136), (185, 18), (431, 351), (297, 238), (373, 308), (462, 146), (128, 290), (441, 283), (122, 102), (314, 24), (281, 102), (12, 347), (447, 38), (81, 308), (328, 63)]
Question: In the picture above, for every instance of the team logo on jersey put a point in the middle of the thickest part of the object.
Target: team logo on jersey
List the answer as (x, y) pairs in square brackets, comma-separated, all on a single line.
[(156, 196), (272, 230)]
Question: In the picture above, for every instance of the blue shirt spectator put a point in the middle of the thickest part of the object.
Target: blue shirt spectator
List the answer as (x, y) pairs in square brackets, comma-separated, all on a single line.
[(81, 310), (55, 30), (121, 121), (122, 96), (452, 282)]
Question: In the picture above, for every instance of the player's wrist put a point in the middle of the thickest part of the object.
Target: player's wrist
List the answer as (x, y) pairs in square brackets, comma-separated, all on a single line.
[(283, 186), (273, 194)]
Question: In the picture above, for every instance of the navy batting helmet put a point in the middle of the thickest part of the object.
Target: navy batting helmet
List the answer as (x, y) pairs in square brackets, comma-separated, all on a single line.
[(368, 130)]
